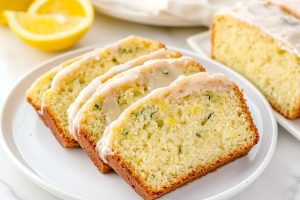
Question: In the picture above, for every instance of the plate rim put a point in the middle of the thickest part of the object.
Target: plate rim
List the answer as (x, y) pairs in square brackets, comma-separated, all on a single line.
[(56, 190), (285, 123)]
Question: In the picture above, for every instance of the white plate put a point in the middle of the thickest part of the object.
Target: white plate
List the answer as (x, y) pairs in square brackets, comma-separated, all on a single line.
[(202, 45), (142, 18), (69, 173)]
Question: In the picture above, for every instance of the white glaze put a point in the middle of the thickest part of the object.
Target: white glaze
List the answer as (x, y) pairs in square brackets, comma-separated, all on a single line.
[(33, 85), (150, 74), (54, 69), (111, 109), (97, 83), (183, 86), (103, 146), (63, 69), (86, 59), (144, 74), (41, 111), (57, 68), (272, 20)]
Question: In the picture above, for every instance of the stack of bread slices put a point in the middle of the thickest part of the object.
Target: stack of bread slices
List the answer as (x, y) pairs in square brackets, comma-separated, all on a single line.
[(152, 115)]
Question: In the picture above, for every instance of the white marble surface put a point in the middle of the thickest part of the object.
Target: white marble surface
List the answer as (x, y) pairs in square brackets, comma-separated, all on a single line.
[(280, 181)]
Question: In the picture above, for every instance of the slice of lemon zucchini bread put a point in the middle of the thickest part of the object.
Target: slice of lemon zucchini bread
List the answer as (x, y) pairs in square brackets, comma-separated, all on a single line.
[(262, 42), (179, 133), (87, 92), (120, 92), (42, 84), (68, 82)]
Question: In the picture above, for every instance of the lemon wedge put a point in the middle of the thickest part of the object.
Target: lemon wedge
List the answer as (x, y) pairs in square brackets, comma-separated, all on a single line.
[(17, 5), (52, 25)]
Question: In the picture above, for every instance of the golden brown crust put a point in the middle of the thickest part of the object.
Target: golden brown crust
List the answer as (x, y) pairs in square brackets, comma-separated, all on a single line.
[(37, 110), (246, 110), (291, 116), (89, 147), (57, 131), (201, 68), (123, 169)]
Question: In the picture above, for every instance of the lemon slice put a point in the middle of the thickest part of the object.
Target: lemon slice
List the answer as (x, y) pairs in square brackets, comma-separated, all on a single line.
[(52, 24), (81, 8), (17, 5)]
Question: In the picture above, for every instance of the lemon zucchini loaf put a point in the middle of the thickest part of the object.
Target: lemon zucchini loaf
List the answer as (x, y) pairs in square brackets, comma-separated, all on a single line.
[(120, 92), (89, 90), (262, 42), (68, 82), (179, 133)]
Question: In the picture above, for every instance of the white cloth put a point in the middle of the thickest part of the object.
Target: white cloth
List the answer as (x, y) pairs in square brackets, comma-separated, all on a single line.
[(200, 11)]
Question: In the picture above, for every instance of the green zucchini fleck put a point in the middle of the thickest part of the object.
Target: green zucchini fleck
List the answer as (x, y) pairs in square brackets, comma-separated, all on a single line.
[(115, 61), (179, 150), (206, 119), (210, 114), (151, 115), (165, 71), (198, 135), (125, 133)]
